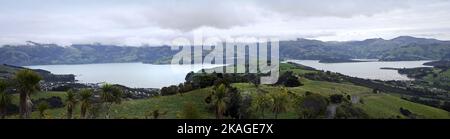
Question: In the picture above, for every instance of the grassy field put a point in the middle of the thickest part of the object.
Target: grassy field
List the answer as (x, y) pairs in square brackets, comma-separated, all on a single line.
[(376, 105), (289, 67), (387, 106)]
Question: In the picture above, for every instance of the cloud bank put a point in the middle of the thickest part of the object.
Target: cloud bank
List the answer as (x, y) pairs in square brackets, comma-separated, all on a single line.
[(137, 22)]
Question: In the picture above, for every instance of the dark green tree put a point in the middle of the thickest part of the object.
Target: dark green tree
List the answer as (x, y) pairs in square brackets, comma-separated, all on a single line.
[(27, 84), (110, 95)]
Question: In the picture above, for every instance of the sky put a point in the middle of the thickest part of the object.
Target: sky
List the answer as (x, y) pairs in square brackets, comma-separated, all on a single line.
[(158, 22)]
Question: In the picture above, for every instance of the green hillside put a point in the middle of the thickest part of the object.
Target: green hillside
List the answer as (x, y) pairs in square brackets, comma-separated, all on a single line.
[(376, 105)]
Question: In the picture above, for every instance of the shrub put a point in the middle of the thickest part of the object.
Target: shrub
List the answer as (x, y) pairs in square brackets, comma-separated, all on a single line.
[(312, 106), (233, 102), (53, 102), (245, 111), (288, 79), (446, 106), (171, 90), (348, 111), (190, 111), (281, 101)]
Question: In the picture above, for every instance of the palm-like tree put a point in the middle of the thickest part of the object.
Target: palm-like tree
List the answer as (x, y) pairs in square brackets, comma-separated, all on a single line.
[(218, 97), (42, 107), (262, 102), (27, 83), (71, 102), (280, 102), (85, 98), (109, 95), (5, 99)]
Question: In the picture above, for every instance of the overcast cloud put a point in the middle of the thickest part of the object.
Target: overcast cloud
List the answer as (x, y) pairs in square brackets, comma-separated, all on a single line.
[(137, 22)]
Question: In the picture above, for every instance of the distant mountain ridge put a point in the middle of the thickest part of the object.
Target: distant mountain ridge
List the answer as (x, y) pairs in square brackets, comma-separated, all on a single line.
[(21, 55), (397, 49)]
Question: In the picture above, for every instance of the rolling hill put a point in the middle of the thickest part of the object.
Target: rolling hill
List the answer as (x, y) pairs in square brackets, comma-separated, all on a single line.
[(384, 105)]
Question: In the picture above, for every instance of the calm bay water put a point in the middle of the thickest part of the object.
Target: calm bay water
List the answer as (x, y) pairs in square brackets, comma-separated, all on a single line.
[(141, 75), (367, 70), (137, 75)]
